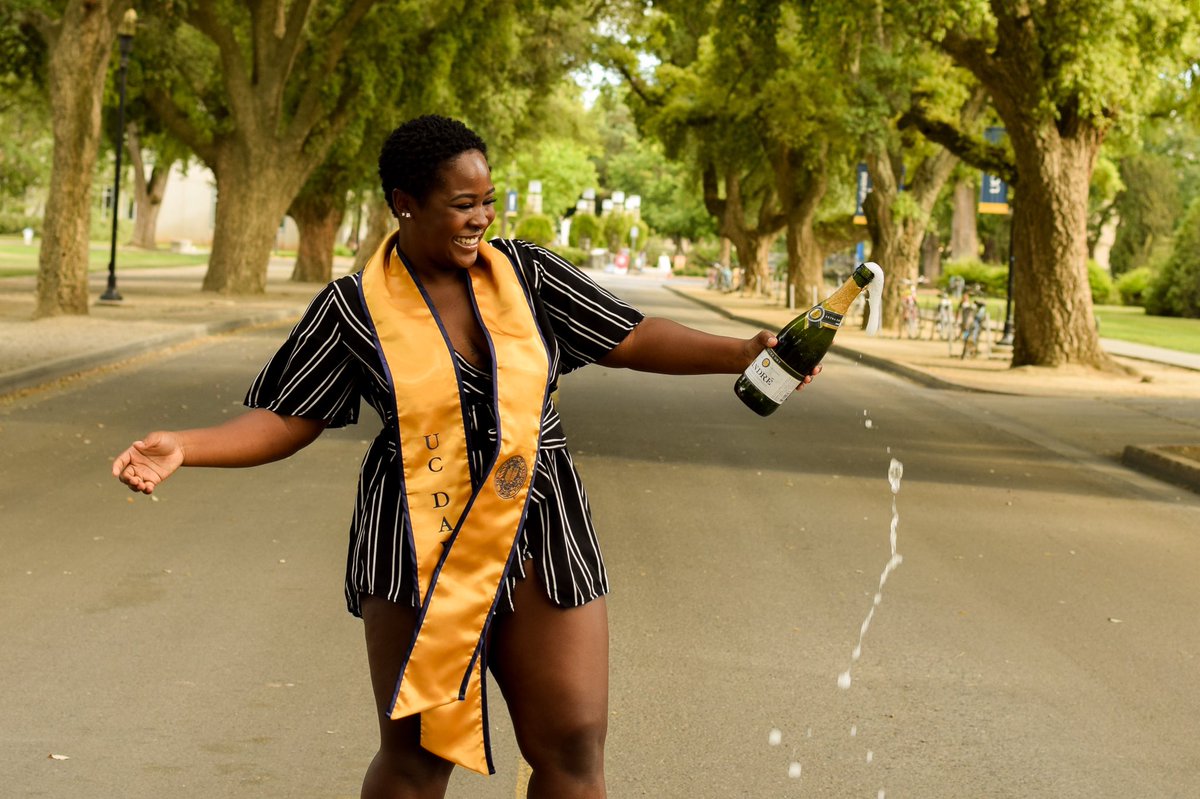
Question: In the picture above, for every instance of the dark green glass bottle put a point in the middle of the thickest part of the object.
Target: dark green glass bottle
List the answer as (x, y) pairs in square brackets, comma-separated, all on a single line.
[(772, 377)]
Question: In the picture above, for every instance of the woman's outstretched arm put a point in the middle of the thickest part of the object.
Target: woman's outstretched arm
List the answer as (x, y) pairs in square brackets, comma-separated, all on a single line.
[(667, 347), (256, 437)]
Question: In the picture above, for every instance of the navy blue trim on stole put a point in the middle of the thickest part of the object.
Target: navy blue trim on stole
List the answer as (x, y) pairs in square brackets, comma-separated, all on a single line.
[(512, 554), (400, 459), (449, 543), (387, 375)]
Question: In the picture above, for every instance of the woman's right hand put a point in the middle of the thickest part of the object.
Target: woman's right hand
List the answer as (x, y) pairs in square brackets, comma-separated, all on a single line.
[(148, 462)]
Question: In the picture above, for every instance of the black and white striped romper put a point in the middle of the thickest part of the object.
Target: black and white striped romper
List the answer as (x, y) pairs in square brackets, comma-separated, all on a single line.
[(329, 361)]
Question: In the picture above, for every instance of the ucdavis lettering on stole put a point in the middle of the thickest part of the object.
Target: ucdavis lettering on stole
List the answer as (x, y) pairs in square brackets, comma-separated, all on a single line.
[(440, 498)]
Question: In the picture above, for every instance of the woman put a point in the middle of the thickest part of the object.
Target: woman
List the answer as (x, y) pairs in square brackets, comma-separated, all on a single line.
[(471, 544)]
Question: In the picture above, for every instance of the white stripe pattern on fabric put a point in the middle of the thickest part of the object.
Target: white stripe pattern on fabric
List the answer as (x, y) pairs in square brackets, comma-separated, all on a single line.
[(330, 361)]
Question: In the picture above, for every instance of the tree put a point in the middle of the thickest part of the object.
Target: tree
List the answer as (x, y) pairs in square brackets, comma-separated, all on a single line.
[(893, 72), (318, 211), (153, 151), (1148, 207), (260, 91), (26, 145), (1060, 76), (519, 105), (964, 234), (672, 203), (699, 103), (78, 36)]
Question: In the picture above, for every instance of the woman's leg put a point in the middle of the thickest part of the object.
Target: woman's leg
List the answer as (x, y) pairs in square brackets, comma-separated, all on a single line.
[(551, 663), (401, 768)]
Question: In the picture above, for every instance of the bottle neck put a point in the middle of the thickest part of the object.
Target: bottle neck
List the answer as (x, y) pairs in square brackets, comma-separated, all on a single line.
[(839, 301)]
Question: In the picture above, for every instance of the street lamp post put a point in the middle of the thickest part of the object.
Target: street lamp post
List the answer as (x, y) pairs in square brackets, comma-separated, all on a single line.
[(1006, 340), (125, 38)]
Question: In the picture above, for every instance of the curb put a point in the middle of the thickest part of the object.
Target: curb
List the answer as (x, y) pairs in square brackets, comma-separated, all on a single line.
[(1166, 462), (32, 376), (858, 356)]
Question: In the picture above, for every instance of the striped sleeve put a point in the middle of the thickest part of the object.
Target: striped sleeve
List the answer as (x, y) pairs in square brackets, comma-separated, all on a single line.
[(313, 374), (588, 320)]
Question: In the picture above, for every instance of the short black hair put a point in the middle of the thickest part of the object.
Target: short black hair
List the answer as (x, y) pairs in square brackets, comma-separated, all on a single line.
[(414, 152)]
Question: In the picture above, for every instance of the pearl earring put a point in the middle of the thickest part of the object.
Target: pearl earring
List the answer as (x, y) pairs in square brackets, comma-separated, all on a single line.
[(406, 214)]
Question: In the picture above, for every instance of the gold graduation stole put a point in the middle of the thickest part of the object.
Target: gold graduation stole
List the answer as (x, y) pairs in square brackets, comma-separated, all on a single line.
[(462, 540)]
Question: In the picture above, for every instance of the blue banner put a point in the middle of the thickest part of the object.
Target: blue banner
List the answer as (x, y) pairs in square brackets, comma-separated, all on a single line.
[(993, 190), (862, 181)]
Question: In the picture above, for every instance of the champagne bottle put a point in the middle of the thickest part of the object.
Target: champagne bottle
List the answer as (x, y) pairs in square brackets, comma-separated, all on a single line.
[(772, 376)]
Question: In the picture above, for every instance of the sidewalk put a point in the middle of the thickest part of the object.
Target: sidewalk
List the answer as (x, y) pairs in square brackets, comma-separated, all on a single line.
[(160, 308), (1153, 371)]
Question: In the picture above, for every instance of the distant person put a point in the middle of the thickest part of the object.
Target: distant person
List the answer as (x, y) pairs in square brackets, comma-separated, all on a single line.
[(471, 544)]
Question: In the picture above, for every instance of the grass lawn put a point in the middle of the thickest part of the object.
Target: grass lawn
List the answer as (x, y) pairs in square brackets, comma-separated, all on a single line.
[(16, 259), (1120, 322), (1134, 324)]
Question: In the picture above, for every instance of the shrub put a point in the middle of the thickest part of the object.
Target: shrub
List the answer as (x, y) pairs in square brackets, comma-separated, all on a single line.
[(574, 255), (1133, 285), (586, 228), (15, 223), (1175, 290), (992, 279), (1101, 284), (537, 228)]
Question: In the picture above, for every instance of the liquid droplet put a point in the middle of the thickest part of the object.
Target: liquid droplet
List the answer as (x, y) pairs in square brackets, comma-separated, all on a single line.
[(869, 424), (895, 472), (774, 737), (844, 680), (794, 770)]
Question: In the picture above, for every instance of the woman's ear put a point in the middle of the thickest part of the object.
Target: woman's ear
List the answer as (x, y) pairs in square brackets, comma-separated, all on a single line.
[(402, 204)]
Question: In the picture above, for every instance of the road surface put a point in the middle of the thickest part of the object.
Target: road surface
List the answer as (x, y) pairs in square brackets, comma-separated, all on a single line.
[(1039, 638)]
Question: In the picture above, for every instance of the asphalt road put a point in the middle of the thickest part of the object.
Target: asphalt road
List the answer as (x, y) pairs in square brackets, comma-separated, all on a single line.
[(1039, 639)]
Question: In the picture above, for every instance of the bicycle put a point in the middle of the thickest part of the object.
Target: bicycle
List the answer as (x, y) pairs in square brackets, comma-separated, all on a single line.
[(975, 332), (910, 317)]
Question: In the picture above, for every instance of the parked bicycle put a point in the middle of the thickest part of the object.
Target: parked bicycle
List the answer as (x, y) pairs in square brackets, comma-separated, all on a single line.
[(975, 332)]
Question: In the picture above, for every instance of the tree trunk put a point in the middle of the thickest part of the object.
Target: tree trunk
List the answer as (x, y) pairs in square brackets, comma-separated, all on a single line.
[(895, 238), (800, 191), (79, 47), (380, 223), (806, 260), (752, 243), (318, 218), (964, 231), (147, 193), (252, 196), (1052, 302), (931, 257)]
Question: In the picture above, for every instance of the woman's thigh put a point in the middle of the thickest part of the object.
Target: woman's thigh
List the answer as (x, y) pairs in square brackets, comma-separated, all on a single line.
[(551, 663), (389, 629)]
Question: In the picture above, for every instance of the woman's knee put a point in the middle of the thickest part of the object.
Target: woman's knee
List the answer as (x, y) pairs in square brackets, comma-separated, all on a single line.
[(572, 746)]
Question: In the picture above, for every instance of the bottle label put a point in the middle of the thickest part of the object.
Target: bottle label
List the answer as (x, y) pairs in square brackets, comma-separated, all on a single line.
[(823, 317), (768, 375)]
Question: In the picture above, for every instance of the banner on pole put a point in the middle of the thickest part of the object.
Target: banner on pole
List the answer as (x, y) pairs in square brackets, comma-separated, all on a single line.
[(862, 181), (993, 190)]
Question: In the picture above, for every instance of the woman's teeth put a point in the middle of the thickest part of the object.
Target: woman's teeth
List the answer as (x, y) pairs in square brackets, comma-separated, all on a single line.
[(468, 241)]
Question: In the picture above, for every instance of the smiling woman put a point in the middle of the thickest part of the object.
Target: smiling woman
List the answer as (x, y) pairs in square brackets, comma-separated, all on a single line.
[(471, 544)]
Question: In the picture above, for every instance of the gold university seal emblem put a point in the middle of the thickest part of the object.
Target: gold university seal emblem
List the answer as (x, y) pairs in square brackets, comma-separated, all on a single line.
[(511, 476)]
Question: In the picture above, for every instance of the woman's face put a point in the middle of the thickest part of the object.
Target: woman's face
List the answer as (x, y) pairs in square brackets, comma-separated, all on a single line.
[(444, 232)]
